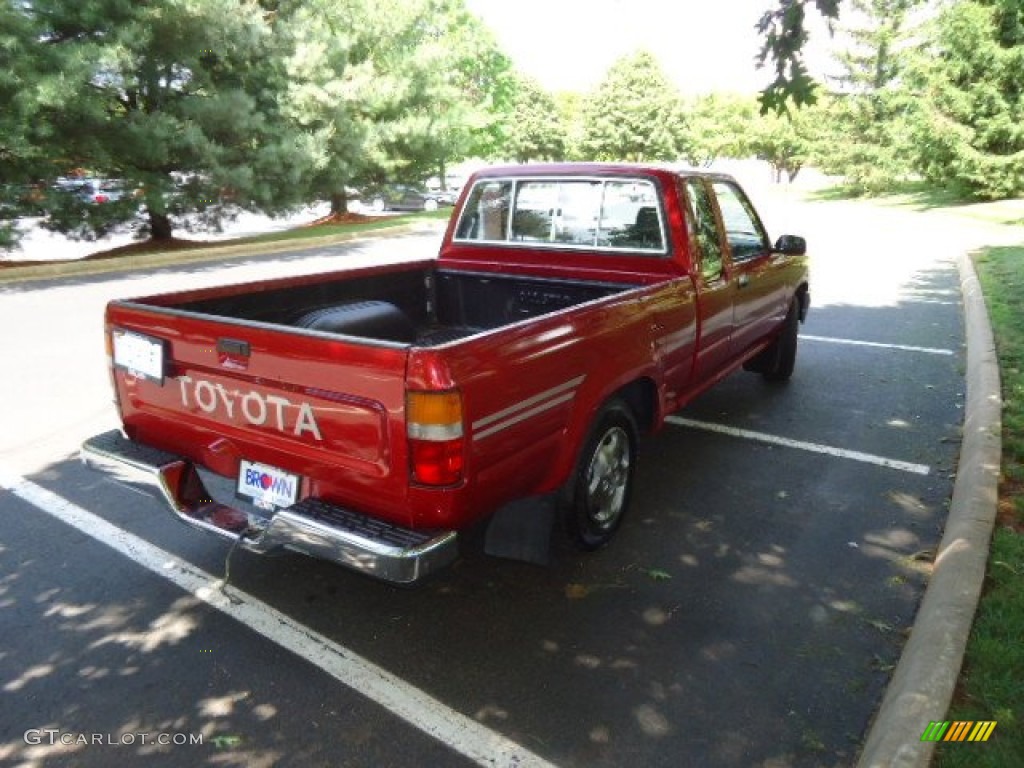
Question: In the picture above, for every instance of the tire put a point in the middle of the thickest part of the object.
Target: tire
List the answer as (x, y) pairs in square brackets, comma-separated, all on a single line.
[(603, 482), (430, 204), (784, 347)]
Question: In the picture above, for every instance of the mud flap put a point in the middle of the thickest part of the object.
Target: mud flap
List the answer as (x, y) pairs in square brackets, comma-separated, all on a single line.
[(522, 530)]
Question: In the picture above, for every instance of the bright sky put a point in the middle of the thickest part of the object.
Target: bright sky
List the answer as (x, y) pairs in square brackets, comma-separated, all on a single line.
[(703, 45)]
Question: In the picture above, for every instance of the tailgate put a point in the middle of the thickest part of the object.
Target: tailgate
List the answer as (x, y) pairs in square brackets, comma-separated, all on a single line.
[(328, 409)]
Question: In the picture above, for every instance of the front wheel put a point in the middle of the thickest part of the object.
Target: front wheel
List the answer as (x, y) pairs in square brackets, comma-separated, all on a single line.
[(604, 478), (785, 346), (777, 361)]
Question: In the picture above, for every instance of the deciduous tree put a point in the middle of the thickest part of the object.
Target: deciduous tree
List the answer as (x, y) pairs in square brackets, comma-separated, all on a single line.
[(479, 90), (784, 31), (786, 141), (719, 125), (389, 90)]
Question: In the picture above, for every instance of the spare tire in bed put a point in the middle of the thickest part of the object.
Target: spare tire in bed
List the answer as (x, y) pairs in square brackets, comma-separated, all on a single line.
[(370, 319)]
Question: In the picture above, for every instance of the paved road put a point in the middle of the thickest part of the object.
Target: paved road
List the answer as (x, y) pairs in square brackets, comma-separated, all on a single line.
[(747, 615)]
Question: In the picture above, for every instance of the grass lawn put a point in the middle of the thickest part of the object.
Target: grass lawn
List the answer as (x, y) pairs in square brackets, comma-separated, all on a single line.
[(366, 225), (920, 196), (992, 679)]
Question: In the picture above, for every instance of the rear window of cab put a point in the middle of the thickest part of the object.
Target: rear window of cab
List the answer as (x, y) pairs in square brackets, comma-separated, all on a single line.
[(602, 214)]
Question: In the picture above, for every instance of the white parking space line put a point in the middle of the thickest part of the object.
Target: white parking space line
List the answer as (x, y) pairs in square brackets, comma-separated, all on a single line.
[(828, 450), (460, 733), (856, 343)]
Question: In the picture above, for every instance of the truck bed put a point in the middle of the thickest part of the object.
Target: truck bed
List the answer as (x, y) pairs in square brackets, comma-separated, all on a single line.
[(420, 306), (310, 375)]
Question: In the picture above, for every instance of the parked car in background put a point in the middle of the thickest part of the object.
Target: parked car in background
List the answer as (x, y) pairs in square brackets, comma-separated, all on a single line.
[(92, 191), (404, 197), (453, 182)]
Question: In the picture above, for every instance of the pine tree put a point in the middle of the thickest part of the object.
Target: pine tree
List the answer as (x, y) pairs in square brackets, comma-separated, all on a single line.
[(971, 80), (872, 111), (635, 114), (173, 98), (535, 130), (23, 96)]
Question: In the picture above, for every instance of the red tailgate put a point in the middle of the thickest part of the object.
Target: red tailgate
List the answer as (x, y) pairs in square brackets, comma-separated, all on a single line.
[(330, 410)]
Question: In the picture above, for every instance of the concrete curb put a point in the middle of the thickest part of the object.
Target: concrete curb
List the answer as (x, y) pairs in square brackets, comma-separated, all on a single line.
[(87, 267), (922, 685)]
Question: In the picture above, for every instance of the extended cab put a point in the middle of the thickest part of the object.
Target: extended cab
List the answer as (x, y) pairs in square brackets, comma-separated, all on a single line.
[(369, 416)]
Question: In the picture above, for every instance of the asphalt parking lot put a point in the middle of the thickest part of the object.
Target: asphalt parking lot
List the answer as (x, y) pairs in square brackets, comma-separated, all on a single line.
[(749, 613)]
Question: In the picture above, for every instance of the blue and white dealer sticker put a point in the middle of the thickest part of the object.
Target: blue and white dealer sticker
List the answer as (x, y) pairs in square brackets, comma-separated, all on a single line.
[(267, 487)]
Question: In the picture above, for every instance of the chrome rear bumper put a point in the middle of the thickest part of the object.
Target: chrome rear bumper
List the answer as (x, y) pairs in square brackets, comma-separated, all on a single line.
[(312, 526)]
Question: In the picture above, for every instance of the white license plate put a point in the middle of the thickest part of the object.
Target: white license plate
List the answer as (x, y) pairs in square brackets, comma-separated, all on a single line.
[(267, 487), (139, 355)]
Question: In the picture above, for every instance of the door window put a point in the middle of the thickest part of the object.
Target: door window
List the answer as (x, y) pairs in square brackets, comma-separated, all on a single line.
[(706, 229), (743, 229)]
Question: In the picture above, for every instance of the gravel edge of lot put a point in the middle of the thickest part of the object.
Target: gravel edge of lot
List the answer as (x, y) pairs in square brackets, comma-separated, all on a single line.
[(925, 678)]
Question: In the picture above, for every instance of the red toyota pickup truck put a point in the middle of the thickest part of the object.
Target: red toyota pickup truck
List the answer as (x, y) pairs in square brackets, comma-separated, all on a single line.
[(370, 416)]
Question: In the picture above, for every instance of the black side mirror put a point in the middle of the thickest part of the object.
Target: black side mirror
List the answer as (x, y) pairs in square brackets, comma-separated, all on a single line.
[(791, 245)]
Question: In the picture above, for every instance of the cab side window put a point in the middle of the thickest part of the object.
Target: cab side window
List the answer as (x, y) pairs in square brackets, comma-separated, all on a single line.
[(743, 230), (706, 230)]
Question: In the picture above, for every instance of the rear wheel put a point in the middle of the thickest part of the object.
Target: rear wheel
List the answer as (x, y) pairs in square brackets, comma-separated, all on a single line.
[(604, 478)]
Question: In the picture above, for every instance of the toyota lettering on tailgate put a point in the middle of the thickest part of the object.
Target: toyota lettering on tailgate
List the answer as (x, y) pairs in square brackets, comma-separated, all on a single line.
[(257, 409)]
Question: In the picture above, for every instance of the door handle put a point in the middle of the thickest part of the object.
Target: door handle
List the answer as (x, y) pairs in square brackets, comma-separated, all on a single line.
[(743, 281)]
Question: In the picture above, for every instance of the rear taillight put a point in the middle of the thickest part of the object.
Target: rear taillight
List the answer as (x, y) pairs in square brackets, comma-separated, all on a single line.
[(108, 344), (100, 198), (434, 428)]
